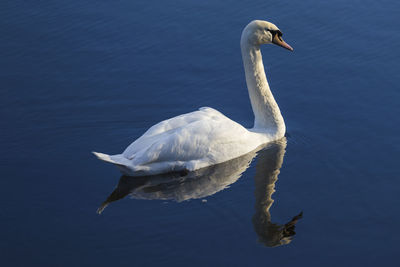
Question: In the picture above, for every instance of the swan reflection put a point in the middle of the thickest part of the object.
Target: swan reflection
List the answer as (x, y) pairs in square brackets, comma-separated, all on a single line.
[(181, 186)]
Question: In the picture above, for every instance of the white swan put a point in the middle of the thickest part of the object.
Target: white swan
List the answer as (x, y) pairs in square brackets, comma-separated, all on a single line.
[(206, 137)]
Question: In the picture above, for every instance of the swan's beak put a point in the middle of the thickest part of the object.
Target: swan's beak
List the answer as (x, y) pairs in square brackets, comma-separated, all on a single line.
[(279, 41)]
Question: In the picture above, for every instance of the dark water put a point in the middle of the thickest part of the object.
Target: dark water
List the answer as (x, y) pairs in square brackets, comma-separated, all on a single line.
[(94, 75)]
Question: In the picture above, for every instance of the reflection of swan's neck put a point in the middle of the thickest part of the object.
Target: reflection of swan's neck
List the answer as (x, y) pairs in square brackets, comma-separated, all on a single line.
[(267, 171), (266, 111)]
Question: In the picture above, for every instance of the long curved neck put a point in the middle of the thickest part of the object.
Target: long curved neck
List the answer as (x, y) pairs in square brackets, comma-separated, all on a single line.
[(267, 115)]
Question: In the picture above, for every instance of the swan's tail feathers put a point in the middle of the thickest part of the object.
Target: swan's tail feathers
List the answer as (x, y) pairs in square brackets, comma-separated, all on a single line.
[(122, 163), (103, 157), (119, 160)]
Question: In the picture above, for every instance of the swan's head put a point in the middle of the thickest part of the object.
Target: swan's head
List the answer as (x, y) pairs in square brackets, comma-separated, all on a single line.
[(259, 32)]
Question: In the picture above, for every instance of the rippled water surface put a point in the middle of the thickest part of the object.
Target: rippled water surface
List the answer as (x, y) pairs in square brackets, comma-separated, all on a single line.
[(94, 75)]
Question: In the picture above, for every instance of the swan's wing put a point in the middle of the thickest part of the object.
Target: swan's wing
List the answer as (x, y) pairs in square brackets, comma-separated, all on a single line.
[(166, 127), (189, 141)]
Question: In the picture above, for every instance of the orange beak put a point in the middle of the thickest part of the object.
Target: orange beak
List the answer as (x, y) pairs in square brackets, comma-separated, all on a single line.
[(279, 41)]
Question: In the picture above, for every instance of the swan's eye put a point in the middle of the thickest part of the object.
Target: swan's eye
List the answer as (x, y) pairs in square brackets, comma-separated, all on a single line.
[(276, 32)]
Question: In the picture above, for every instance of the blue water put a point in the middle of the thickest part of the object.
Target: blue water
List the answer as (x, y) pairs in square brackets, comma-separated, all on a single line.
[(94, 75)]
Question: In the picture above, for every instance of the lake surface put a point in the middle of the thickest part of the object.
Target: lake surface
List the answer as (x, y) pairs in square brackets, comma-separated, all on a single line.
[(94, 75)]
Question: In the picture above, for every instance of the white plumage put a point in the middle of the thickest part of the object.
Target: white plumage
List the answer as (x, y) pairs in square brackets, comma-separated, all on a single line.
[(206, 137)]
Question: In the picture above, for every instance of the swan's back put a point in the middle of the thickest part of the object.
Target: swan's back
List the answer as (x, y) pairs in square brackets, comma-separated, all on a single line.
[(167, 128)]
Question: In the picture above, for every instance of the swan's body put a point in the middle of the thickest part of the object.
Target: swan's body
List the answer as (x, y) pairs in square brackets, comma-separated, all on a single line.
[(206, 137)]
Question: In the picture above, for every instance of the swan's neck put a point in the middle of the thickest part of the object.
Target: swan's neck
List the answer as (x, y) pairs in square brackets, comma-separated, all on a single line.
[(267, 115)]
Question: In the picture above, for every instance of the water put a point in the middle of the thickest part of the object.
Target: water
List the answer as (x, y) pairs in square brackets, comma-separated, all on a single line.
[(94, 75)]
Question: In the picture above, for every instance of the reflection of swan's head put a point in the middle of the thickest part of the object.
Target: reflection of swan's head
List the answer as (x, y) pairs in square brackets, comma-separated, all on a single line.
[(272, 234), (260, 32)]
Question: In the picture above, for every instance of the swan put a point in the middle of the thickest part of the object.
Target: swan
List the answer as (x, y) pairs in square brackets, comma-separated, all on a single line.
[(207, 137)]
